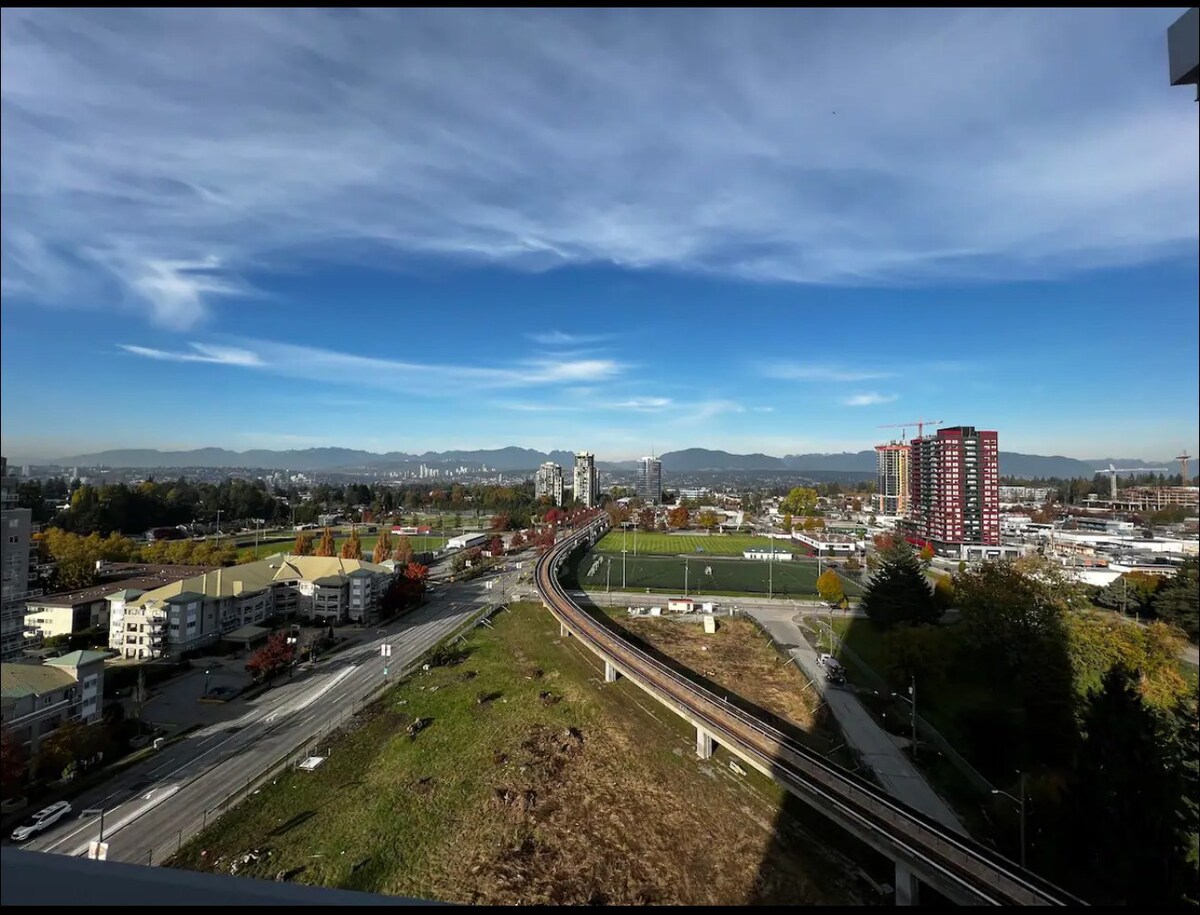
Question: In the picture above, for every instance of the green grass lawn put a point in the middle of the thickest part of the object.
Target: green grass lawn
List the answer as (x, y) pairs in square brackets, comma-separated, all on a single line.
[(712, 545), (705, 575), (419, 544), (534, 782)]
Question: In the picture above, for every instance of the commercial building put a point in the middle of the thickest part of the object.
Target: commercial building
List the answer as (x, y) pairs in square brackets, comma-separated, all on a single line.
[(200, 610), (18, 557), (891, 494), (649, 480), (549, 482), (586, 485), (954, 488), (1026, 495), (36, 699)]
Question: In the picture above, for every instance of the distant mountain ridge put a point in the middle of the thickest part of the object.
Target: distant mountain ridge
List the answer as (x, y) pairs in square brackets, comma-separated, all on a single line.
[(512, 458)]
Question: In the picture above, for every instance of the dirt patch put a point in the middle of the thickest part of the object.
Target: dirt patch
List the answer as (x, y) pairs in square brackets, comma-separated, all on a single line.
[(737, 658)]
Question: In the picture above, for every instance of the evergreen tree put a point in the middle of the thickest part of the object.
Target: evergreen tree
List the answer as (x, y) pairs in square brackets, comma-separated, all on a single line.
[(898, 591)]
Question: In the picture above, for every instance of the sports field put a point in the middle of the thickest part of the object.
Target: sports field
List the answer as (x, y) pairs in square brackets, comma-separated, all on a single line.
[(674, 544), (705, 575)]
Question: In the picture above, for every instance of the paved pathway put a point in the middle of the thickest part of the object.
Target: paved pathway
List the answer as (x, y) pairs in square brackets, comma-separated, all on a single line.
[(874, 745)]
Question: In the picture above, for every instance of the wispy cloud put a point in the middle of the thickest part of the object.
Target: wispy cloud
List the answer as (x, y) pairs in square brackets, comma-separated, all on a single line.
[(763, 409), (533, 139), (641, 404), (869, 399), (558, 338), (791, 371), (200, 352), (348, 368)]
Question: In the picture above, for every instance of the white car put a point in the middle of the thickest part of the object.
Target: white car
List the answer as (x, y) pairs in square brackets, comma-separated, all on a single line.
[(43, 819)]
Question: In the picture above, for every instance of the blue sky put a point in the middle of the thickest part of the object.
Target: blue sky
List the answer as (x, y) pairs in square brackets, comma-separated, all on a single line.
[(620, 231)]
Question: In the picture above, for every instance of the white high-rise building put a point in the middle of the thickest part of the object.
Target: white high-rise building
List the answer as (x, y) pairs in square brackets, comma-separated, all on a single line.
[(549, 482), (649, 480), (586, 486)]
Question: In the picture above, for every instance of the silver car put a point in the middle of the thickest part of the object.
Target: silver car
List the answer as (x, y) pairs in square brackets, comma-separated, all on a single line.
[(43, 819)]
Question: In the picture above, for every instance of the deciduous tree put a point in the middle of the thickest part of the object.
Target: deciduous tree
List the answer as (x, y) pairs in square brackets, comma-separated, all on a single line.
[(646, 519), (829, 586), (678, 517), (327, 546), (708, 520), (800, 501), (303, 545), (383, 547), (403, 551), (352, 548), (271, 659)]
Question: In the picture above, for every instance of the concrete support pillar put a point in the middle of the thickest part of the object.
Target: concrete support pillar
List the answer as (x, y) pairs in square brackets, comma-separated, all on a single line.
[(610, 672), (563, 631), (704, 744), (906, 885)]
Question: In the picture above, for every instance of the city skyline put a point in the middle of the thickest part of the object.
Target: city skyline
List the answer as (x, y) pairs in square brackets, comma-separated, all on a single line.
[(571, 229)]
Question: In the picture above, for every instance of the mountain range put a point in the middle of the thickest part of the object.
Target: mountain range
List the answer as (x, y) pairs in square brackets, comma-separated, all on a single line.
[(1012, 463)]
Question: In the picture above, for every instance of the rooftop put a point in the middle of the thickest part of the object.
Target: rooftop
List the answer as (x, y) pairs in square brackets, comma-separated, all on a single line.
[(151, 577), (20, 680), (78, 658)]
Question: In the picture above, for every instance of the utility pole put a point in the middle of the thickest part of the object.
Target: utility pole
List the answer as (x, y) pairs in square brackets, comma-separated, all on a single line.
[(685, 576), (608, 581)]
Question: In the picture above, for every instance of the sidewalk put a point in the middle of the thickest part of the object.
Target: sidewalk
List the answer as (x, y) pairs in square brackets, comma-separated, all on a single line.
[(875, 746)]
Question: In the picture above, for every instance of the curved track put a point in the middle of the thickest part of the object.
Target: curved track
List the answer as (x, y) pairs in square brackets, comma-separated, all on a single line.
[(958, 866)]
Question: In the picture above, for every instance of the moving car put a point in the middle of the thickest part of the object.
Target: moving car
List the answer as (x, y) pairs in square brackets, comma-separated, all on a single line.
[(43, 819)]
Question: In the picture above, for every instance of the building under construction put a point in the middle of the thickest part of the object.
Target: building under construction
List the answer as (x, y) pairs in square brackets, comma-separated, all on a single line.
[(891, 492)]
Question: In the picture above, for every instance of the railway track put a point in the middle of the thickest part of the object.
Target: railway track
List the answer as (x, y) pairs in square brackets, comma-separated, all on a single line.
[(959, 867)]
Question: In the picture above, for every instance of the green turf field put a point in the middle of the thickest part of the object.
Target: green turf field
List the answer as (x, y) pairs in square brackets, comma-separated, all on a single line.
[(704, 575), (713, 545)]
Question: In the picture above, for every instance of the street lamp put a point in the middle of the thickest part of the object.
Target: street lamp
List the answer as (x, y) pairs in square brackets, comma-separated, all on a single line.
[(206, 673), (1020, 802)]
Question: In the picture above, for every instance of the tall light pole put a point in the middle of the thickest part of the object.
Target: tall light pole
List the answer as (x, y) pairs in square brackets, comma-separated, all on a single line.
[(1020, 802), (771, 568), (608, 581), (92, 812), (685, 576)]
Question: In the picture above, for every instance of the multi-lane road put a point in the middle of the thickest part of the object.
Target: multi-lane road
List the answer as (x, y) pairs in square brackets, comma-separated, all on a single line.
[(154, 806)]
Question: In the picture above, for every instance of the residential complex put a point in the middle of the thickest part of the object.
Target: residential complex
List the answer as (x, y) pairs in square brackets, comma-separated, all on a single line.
[(586, 486), (954, 479), (197, 611), (549, 482), (891, 496), (74, 611), (649, 480), (35, 699), (18, 557)]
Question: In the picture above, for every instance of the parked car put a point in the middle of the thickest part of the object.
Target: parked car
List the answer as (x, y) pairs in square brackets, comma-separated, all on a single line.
[(43, 819)]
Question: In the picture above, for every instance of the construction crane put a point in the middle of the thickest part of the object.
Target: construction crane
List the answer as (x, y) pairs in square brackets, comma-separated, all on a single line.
[(1184, 479), (919, 423), (1113, 471)]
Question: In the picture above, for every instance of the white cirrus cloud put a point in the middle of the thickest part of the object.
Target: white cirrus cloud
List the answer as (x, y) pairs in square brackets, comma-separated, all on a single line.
[(161, 156), (869, 399), (559, 338), (200, 352), (435, 379), (641, 404), (792, 371)]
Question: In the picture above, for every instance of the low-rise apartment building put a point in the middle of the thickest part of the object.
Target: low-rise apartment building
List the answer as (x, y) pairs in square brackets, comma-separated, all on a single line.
[(37, 699), (200, 610), (68, 612)]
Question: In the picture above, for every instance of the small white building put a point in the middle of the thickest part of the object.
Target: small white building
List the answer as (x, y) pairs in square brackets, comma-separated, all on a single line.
[(765, 554), (680, 605)]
